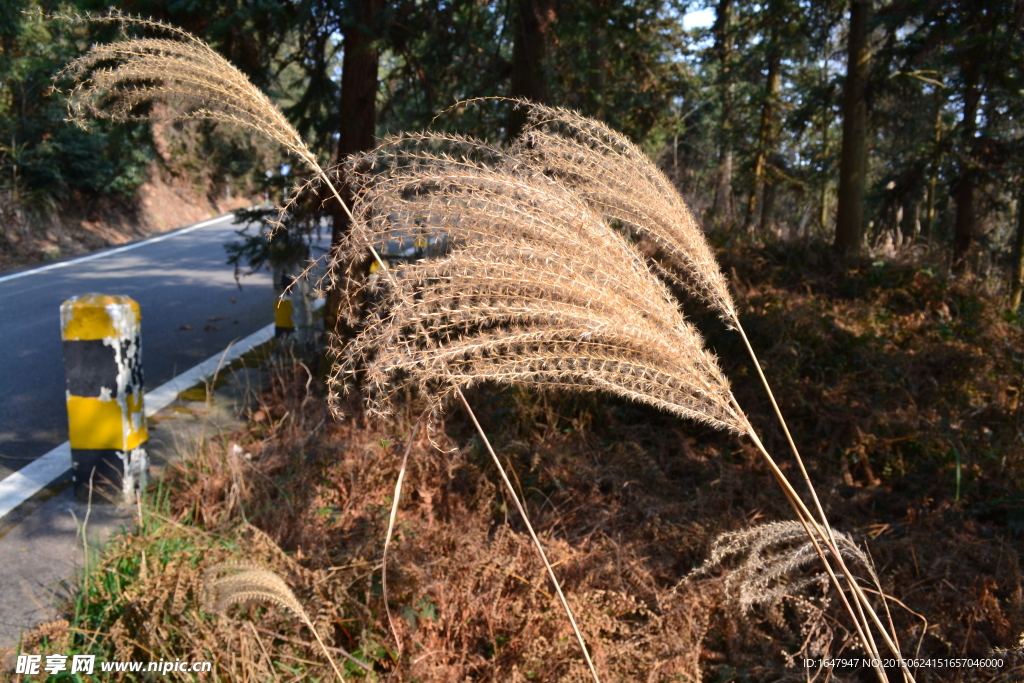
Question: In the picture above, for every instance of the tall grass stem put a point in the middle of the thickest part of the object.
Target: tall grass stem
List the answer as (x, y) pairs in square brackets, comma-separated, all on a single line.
[(785, 429), (860, 598), (391, 527), (533, 534), (863, 607)]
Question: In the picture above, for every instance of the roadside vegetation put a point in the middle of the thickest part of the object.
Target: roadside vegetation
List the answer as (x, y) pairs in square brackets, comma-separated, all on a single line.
[(628, 501), (67, 190), (568, 260)]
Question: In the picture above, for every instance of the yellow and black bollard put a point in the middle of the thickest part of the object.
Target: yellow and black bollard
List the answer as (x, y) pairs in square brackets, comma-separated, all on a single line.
[(106, 418), (293, 311), (283, 323)]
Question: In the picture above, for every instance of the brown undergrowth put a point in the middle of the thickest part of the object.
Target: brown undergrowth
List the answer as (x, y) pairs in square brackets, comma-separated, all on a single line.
[(883, 370), (471, 595), (906, 386)]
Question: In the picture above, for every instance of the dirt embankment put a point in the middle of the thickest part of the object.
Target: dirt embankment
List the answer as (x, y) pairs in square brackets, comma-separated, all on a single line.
[(163, 203)]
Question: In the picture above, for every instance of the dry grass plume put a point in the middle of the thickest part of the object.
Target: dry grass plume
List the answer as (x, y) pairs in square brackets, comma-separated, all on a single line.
[(535, 286)]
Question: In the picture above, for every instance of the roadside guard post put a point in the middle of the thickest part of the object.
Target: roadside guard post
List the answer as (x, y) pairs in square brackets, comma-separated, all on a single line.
[(106, 418), (293, 312), (283, 323)]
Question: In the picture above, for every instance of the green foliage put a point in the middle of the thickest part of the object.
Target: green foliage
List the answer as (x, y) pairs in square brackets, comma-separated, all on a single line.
[(249, 33), (442, 52), (687, 96), (614, 60), (210, 154), (287, 243), (43, 160), (621, 62)]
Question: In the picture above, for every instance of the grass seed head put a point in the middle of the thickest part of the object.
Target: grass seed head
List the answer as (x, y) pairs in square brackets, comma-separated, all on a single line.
[(774, 557), (118, 80), (232, 583), (619, 182), (534, 287)]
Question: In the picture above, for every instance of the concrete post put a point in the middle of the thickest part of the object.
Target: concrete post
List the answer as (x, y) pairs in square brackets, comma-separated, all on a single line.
[(283, 323), (106, 418), (293, 312)]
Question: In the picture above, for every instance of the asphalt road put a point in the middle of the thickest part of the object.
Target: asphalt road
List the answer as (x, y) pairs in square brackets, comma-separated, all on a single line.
[(191, 307)]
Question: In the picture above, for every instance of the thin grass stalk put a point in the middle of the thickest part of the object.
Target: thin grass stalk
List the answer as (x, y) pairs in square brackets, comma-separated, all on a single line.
[(391, 527), (348, 212), (807, 521), (533, 534), (323, 646), (785, 428), (880, 592), (861, 599), (863, 606), (341, 651)]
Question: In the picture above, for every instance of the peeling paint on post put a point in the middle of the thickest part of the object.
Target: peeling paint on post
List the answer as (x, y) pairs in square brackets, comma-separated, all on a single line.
[(106, 418)]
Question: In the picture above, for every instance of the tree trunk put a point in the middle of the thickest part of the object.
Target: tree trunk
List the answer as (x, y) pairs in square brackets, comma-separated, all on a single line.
[(358, 106), (853, 162), (723, 45), (826, 122), (933, 179), (766, 135), (963, 230), (768, 208), (533, 22), (723, 188), (823, 199), (1017, 258)]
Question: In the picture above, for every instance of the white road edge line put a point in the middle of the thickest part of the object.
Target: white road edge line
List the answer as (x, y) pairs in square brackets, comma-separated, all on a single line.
[(118, 250), (16, 488)]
